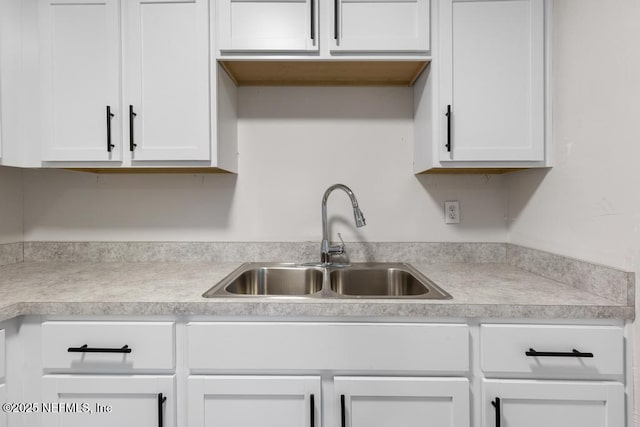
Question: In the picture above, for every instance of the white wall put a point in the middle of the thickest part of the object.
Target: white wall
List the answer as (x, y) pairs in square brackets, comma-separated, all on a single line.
[(293, 144), (588, 205), (10, 205)]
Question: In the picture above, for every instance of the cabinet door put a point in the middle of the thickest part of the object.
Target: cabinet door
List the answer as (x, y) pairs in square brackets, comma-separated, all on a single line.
[(406, 402), (80, 42), (0, 107), (553, 404), (380, 26), (267, 25), (249, 401), (492, 75), (167, 87), (107, 401), (3, 399)]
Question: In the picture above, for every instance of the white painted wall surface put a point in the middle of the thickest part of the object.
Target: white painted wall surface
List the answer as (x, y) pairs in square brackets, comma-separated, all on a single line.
[(10, 205), (588, 205), (293, 144)]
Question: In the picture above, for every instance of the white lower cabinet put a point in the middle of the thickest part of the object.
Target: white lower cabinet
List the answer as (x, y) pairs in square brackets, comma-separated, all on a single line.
[(552, 404), (402, 401), (296, 401), (399, 368), (247, 401), (552, 375), (107, 401), (3, 399), (322, 374), (3, 387)]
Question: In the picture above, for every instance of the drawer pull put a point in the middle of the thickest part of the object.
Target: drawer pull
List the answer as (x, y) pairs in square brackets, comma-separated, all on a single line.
[(87, 349), (161, 400), (496, 404), (312, 406), (343, 415), (572, 353)]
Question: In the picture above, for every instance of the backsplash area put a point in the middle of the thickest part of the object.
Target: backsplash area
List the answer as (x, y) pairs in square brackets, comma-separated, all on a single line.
[(612, 283), (595, 278), (258, 252), (11, 253)]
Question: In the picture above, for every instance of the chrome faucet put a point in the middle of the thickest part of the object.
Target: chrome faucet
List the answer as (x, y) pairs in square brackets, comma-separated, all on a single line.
[(326, 250)]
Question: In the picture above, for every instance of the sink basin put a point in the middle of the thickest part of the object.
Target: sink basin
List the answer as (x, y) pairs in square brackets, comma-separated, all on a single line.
[(365, 280), (264, 279), (384, 281)]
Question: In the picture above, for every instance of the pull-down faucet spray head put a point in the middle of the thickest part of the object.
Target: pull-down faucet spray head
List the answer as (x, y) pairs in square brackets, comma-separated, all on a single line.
[(359, 217)]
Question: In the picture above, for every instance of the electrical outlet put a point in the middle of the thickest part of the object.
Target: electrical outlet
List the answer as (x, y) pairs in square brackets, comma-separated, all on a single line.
[(452, 212)]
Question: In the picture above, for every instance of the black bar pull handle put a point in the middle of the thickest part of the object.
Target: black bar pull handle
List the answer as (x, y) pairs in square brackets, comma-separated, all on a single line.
[(86, 349), (313, 19), (312, 410), (343, 414), (572, 353), (336, 19), (132, 115), (109, 117), (448, 114), (161, 400), (496, 404)]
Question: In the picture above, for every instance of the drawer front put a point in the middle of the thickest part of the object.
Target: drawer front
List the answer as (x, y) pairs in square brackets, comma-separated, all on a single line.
[(504, 351), (149, 346), (331, 346)]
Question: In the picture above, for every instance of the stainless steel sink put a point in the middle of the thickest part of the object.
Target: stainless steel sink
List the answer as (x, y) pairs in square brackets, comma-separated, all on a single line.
[(384, 281), (365, 280), (270, 279)]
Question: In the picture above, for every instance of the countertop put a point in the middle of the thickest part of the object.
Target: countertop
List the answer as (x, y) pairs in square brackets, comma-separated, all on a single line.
[(480, 290)]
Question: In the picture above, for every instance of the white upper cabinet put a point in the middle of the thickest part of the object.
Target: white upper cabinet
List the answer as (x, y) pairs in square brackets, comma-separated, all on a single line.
[(380, 26), (0, 125), (483, 103), (131, 84), (0, 101), (267, 25), (492, 80), (338, 26), (80, 44), (166, 48)]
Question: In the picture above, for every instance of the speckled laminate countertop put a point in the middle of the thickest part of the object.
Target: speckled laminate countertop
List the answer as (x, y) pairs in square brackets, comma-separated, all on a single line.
[(486, 290)]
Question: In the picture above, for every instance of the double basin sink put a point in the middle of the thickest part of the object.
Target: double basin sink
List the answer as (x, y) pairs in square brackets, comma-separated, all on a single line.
[(358, 280)]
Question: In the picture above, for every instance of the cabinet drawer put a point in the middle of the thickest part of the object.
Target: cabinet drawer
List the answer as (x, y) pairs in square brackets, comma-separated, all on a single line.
[(506, 350), (332, 346), (149, 346)]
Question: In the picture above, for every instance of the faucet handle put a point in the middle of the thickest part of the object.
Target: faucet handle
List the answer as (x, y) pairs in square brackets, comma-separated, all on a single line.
[(343, 252), (337, 249)]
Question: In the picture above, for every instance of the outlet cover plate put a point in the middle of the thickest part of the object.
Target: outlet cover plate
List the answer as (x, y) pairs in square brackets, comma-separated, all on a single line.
[(452, 212)]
